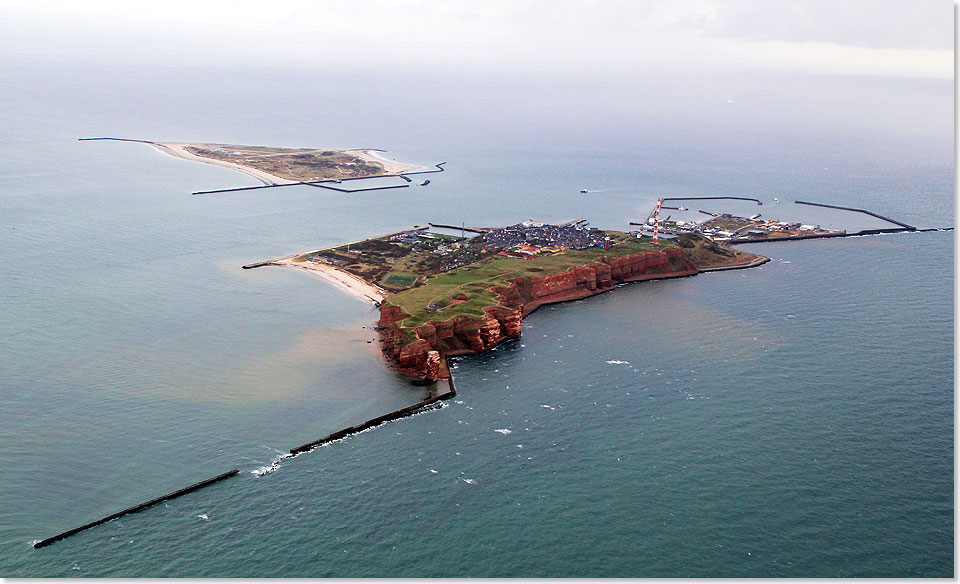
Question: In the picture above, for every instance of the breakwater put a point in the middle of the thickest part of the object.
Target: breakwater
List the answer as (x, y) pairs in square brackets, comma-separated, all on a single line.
[(446, 390), (322, 183), (253, 188), (459, 228), (438, 167), (136, 508), (864, 211), (410, 410), (757, 201), (824, 235), (757, 261), (327, 186)]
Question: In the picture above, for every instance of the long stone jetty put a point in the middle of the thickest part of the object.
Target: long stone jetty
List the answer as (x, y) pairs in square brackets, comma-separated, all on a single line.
[(136, 508), (864, 211)]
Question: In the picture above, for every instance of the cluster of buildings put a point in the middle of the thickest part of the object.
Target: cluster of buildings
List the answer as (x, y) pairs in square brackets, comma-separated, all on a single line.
[(412, 237), (453, 253), (725, 227), (754, 228), (529, 238)]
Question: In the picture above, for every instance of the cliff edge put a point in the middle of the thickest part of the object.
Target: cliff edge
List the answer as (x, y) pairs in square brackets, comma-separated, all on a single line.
[(419, 351)]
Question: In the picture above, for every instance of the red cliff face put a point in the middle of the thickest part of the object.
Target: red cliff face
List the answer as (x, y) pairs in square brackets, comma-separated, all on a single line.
[(583, 281), (421, 356)]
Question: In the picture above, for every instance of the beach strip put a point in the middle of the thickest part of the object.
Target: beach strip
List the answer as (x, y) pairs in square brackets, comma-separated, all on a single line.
[(389, 166), (179, 150), (344, 281)]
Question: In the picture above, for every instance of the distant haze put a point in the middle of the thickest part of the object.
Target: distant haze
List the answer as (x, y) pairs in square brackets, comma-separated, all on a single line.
[(618, 37)]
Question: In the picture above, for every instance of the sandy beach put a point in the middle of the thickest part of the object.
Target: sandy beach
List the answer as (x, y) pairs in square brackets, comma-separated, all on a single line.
[(179, 150), (389, 166), (343, 280)]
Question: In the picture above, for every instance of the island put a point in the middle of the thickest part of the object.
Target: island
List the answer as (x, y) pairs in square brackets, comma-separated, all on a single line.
[(274, 166), (443, 295)]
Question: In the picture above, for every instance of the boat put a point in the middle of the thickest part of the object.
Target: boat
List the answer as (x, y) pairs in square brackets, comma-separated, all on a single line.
[(584, 191), (425, 183)]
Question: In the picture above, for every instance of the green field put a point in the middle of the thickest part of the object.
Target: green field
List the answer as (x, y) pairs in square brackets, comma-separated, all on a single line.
[(419, 276), (399, 279), (475, 280)]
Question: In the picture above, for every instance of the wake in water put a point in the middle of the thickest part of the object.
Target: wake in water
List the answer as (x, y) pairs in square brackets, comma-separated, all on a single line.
[(273, 466)]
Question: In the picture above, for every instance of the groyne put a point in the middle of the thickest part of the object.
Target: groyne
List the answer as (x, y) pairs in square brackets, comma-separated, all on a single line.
[(258, 264), (904, 226), (136, 508)]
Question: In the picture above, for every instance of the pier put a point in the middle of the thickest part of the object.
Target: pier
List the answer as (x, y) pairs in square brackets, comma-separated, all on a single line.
[(136, 508)]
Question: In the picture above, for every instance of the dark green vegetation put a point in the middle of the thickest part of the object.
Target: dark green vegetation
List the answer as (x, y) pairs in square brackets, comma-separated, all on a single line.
[(396, 264), (473, 282), (298, 164)]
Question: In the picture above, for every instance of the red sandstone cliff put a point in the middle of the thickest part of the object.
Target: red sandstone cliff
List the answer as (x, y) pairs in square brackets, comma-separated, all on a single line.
[(419, 353)]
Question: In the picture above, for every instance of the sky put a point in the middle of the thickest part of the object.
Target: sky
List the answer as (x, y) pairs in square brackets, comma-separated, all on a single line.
[(858, 37)]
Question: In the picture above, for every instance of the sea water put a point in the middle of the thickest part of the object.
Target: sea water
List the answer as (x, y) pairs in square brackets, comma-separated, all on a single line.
[(790, 420)]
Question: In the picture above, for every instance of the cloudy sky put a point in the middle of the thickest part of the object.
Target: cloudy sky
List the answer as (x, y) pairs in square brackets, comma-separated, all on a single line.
[(872, 37)]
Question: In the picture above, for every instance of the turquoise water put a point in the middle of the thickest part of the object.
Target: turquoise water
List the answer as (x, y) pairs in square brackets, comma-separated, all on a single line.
[(790, 420)]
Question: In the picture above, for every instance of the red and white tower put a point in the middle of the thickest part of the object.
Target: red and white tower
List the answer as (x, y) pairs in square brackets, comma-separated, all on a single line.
[(656, 221)]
